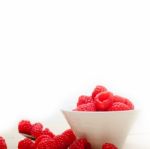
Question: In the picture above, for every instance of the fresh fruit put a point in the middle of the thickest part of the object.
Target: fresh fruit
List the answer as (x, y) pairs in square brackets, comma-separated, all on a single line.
[(104, 95), (86, 107), (36, 130), (119, 106), (109, 146), (98, 89), (25, 127), (83, 99), (2, 143), (40, 138), (68, 136), (59, 140), (26, 144), (117, 98), (103, 101), (47, 143), (80, 144), (46, 131)]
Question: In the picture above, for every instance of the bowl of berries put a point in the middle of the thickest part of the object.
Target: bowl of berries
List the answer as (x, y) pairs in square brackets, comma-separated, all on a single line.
[(102, 118)]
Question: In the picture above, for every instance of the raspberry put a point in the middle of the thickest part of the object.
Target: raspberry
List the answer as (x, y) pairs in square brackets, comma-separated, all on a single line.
[(36, 130), (109, 146), (119, 106), (26, 144), (86, 107), (80, 144), (84, 100), (59, 140), (47, 143), (98, 89), (104, 95), (117, 98), (46, 131), (40, 138), (25, 127), (68, 137), (103, 101), (2, 143)]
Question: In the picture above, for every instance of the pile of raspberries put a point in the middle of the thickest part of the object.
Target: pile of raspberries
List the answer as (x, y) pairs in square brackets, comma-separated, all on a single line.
[(103, 100), (41, 138)]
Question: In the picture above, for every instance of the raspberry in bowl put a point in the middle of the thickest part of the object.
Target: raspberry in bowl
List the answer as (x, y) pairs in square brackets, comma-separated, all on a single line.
[(102, 117)]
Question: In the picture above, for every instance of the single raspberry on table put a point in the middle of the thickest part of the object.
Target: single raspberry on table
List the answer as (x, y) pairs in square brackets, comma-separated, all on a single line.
[(40, 138), (68, 137), (109, 146), (2, 143), (25, 126), (119, 106), (98, 89), (47, 143), (36, 130), (26, 144), (46, 131), (83, 99), (86, 107), (103, 101), (117, 98), (81, 143)]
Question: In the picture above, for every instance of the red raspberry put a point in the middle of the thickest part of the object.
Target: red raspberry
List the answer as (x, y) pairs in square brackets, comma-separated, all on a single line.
[(117, 98), (47, 143), (59, 140), (40, 138), (103, 101), (26, 144), (80, 144), (36, 130), (84, 100), (86, 107), (68, 137), (109, 146), (46, 131), (25, 127), (119, 106), (98, 89), (104, 95), (2, 143)]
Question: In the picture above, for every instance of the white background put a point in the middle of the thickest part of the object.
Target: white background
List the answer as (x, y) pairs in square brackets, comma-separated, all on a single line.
[(53, 51)]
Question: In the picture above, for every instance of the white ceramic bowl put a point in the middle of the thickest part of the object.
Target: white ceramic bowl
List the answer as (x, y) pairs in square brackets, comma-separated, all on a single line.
[(102, 127)]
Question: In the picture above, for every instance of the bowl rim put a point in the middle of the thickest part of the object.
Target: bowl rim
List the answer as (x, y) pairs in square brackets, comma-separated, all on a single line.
[(99, 112)]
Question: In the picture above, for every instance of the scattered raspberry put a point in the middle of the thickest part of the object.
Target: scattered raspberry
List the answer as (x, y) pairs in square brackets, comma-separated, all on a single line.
[(103, 101), (86, 107), (25, 127), (117, 98), (80, 144), (84, 100), (26, 144), (36, 130), (109, 146), (119, 106), (40, 138), (59, 140), (98, 89), (2, 143), (47, 143), (69, 137), (46, 131)]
